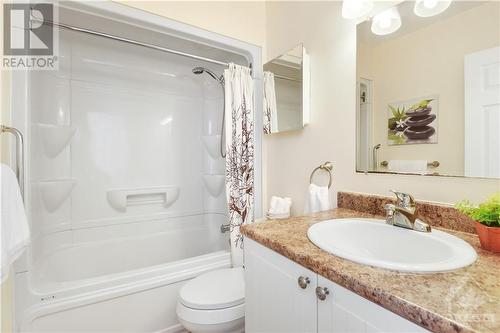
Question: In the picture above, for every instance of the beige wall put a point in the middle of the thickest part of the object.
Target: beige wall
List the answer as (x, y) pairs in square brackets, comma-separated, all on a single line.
[(429, 61), (330, 41), (243, 20)]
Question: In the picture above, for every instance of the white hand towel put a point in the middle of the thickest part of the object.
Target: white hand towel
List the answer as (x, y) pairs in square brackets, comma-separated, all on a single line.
[(14, 232), (317, 199), (418, 166), (273, 204), (280, 206)]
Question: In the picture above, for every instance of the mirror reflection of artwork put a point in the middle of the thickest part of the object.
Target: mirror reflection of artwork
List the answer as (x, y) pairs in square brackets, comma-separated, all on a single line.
[(413, 121)]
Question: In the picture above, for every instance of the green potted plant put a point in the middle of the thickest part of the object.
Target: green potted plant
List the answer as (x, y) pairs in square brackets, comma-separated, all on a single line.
[(487, 220)]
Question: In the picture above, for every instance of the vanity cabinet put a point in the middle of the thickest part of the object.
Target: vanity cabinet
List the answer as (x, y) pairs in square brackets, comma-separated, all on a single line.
[(283, 296), (274, 300)]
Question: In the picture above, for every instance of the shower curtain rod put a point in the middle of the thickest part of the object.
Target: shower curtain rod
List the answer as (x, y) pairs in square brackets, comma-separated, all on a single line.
[(131, 41), (283, 77)]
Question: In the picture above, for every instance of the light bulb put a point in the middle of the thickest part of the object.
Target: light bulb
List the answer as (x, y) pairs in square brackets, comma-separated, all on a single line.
[(386, 22), (429, 4), (428, 8)]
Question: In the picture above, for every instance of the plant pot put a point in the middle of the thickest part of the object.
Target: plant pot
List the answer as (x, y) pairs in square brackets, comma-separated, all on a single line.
[(489, 237)]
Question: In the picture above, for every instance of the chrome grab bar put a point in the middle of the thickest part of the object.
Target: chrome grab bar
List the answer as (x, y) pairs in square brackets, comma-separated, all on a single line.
[(19, 154), (375, 156)]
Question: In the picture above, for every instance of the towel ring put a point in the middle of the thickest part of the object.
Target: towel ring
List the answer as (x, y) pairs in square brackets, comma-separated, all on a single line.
[(327, 166)]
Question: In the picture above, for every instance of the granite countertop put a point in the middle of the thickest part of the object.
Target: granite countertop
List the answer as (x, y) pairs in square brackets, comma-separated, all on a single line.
[(465, 300)]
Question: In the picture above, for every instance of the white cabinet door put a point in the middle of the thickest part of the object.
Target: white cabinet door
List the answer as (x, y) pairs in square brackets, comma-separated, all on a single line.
[(274, 301), (346, 312)]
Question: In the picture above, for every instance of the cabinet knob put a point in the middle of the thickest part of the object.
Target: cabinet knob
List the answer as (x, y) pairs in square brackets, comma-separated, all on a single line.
[(321, 292), (303, 282)]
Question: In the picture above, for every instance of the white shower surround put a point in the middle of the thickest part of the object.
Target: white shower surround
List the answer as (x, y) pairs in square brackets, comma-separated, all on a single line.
[(72, 278)]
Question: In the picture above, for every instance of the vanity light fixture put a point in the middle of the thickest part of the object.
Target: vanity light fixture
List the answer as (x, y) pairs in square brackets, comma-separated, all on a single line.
[(428, 8), (386, 22), (354, 9)]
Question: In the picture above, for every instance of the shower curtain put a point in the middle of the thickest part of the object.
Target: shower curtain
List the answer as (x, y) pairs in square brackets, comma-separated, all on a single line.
[(239, 130), (270, 111)]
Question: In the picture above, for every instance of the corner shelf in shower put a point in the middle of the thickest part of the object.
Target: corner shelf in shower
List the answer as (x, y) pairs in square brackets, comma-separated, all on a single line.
[(214, 184), (55, 192), (55, 138), (120, 199), (212, 145)]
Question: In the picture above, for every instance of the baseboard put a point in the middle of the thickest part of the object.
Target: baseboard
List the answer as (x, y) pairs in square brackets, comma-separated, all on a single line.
[(173, 329)]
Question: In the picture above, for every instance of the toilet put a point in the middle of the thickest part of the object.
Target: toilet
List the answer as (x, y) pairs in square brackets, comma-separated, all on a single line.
[(213, 302)]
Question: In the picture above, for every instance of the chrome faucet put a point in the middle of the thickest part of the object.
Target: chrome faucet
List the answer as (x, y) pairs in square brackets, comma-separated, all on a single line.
[(225, 228), (404, 213)]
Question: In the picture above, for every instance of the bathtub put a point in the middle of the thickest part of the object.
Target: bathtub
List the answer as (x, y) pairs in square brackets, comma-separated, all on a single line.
[(127, 284)]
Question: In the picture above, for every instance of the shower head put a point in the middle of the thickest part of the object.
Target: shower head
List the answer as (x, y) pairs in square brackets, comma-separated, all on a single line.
[(200, 70)]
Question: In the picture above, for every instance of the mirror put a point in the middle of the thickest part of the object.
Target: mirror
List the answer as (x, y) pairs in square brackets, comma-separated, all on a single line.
[(286, 91), (428, 98)]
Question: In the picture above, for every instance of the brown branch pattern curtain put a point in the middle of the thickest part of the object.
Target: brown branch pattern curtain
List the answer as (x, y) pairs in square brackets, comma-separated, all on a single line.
[(239, 130)]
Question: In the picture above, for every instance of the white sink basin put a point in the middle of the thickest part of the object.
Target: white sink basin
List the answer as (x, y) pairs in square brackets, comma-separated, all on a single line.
[(375, 243)]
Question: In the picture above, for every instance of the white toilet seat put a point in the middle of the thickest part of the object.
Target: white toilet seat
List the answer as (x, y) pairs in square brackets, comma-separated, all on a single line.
[(219, 289), (210, 317), (213, 302)]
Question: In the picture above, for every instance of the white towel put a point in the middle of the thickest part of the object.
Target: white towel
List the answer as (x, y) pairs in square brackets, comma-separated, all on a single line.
[(317, 199), (14, 232), (279, 207), (411, 166)]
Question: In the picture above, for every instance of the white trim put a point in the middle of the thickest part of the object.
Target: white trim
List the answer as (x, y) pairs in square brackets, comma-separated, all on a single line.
[(369, 110), (173, 329)]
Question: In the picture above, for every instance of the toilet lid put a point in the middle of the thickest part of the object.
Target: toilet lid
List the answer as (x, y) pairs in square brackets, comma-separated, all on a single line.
[(219, 289)]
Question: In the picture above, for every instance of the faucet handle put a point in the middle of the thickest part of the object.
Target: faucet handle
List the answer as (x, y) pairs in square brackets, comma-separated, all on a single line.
[(404, 200), (390, 209)]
